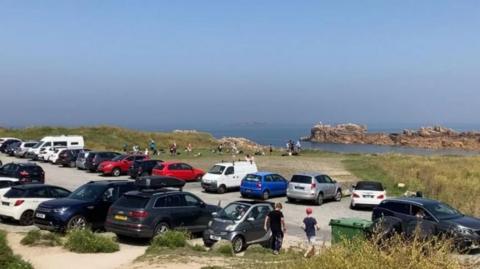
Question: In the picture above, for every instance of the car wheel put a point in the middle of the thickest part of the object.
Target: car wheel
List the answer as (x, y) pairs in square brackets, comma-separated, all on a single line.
[(244, 195), (338, 196), (352, 205), (161, 228), (291, 200), (26, 218), (116, 172), (265, 195), (208, 243), (238, 244), (72, 164), (222, 189), (319, 200), (77, 222)]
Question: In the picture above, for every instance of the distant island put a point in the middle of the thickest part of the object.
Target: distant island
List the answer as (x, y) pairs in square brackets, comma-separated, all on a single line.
[(434, 137)]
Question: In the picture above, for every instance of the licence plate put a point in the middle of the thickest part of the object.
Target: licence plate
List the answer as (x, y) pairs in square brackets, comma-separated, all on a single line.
[(120, 217), (249, 191), (40, 215), (299, 188), (215, 237), (6, 203), (368, 196)]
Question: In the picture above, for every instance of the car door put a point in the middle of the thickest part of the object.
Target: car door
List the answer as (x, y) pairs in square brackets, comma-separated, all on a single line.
[(35, 197), (186, 171), (281, 184), (126, 163), (330, 186), (254, 222), (199, 215), (420, 221), (57, 192), (179, 213), (100, 208), (231, 179), (269, 185)]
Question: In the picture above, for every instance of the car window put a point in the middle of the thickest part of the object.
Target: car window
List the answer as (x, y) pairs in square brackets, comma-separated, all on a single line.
[(175, 200), (109, 195), (190, 200), (173, 167), (420, 212), (398, 207), (268, 178), (5, 184), (252, 177), (15, 193), (369, 186), (278, 178), (160, 202), (131, 158), (259, 212), (159, 167), (132, 201), (320, 179), (327, 179), (59, 192), (185, 166), (38, 193), (301, 179), (216, 169), (139, 158), (230, 170)]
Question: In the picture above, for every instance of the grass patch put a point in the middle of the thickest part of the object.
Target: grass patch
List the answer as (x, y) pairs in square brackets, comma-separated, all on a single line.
[(452, 179), (86, 241), (41, 238), (225, 250), (171, 239), (197, 248), (7, 259)]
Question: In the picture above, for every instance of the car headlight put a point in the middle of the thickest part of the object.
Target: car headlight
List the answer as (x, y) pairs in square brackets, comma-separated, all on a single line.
[(230, 228), (464, 230), (60, 210)]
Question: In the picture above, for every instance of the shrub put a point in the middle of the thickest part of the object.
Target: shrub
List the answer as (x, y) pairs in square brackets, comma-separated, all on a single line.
[(39, 238), (85, 241), (225, 249), (198, 248), (7, 259), (170, 239)]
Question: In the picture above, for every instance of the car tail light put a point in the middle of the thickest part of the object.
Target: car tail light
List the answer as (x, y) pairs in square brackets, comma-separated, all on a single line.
[(313, 186), (259, 185), (138, 214), (24, 173), (381, 196), (19, 202), (355, 195)]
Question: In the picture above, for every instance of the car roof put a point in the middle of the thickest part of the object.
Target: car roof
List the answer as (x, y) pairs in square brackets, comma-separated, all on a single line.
[(33, 186), (253, 202), (262, 173), (310, 174), (369, 182), (112, 181), (150, 193), (413, 200), (24, 164)]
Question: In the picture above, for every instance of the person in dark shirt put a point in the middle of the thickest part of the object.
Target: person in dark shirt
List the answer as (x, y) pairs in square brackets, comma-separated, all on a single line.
[(310, 227), (276, 223)]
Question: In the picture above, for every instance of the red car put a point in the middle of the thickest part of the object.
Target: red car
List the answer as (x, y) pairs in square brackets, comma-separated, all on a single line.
[(120, 164), (178, 170)]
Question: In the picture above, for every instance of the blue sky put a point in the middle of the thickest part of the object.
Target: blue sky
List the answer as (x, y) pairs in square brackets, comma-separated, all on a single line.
[(158, 63)]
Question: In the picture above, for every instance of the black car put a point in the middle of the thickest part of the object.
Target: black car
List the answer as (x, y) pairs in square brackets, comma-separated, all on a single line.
[(94, 159), (148, 212), (86, 206), (6, 143), (10, 149), (430, 217), (25, 172), (68, 157), (142, 168)]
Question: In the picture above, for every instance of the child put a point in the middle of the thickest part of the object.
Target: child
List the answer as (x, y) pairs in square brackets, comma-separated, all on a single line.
[(310, 227)]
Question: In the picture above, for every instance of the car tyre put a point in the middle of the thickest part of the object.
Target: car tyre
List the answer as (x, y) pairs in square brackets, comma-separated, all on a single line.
[(26, 218), (208, 243), (291, 200), (116, 172), (161, 228), (338, 196), (265, 195), (238, 244), (77, 222), (72, 164), (319, 200), (244, 195), (352, 205), (222, 189)]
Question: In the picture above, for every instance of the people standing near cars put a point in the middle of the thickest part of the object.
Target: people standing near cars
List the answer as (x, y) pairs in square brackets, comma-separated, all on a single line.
[(249, 158), (275, 221), (310, 227), (298, 146), (189, 148), (153, 147), (125, 147)]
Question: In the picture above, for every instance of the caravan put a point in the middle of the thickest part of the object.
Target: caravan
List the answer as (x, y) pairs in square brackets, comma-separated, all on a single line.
[(224, 176), (48, 144)]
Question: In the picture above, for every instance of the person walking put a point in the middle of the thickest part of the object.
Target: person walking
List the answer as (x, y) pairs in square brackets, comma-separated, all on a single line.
[(275, 221), (125, 147), (310, 227), (270, 149)]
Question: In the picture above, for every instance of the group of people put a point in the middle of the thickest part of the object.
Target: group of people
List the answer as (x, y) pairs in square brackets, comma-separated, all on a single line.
[(293, 147), (152, 147), (275, 221)]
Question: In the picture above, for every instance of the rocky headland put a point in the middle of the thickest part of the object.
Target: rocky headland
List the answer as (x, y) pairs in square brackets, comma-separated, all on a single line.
[(435, 137)]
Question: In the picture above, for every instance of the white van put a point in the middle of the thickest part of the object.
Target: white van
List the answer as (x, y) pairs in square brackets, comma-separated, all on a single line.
[(224, 176), (49, 143)]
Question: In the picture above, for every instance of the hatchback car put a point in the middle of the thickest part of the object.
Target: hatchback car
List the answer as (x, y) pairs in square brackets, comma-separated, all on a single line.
[(263, 185), (179, 170), (313, 187), (81, 160), (146, 213), (10, 149), (20, 202), (68, 158), (142, 168), (120, 164), (94, 159), (409, 215), (367, 194), (86, 206), (241, 223), (25, 172), (21, 151), (7, 142)]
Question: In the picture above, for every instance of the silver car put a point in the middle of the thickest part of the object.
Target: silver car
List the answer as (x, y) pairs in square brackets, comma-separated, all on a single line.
[(81, 159), (240, 222), (313, 187), (22, 150)]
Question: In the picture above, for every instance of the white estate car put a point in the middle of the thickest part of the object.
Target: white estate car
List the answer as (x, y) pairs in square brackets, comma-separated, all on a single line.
[(21, 201), (367, 193)]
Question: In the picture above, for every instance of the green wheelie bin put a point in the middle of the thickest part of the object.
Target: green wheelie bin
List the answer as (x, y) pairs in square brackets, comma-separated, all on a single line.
[(349, 229)]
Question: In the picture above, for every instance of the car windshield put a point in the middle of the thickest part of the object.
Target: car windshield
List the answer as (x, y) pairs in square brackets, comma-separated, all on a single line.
[(217, 169), (132, 201), (119, 157), (15, 193), (87, 192), (234, 211), (39, 144), (369, 186), (443, 211), (252, 177), (301, 179)]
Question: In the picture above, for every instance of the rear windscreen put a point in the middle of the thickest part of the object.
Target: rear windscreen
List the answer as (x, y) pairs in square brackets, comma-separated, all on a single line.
[(15, 193), (369, 186), (301, 179), (130, 201), (252, 177)]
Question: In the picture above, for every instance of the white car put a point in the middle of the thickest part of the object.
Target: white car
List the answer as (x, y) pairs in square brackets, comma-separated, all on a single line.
[(224, 176), (21, 201), (53, 158), (367, 194), (6, 183)]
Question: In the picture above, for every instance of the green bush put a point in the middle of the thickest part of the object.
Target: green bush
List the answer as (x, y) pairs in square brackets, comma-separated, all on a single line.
[(86, 241), (170, 239), (7, 259), (225, 249), (198, 248), (40, 238)]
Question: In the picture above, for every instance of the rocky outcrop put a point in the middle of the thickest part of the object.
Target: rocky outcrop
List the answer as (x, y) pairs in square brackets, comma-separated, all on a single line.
[(435, 137), (240, 143)]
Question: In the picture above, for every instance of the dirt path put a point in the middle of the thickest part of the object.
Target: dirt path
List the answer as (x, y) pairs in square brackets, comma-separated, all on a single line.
[(59, 258)]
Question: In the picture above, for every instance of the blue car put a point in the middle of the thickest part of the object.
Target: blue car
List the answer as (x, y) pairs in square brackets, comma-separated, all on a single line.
[(86, 206), (263, 185)]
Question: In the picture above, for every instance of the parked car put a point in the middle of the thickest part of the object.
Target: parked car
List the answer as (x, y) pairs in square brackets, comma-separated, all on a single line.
[(10, 149), (313, 187), (21, 151), (226, 176), (3, 139), (120, 164), (263, 185), (367, 194), (67, 141), (179, 170), (86, 206), (25, 172), (7, 142), (68, 158), (81, 160), (146, 213), (53, 158), (46, 154), (94, 159), (142, 168), (20, 202), (241, 223), (430, 217)]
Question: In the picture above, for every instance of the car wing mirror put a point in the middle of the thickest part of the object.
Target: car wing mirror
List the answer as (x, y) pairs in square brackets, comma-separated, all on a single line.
[(250, 219), (214, 214)]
